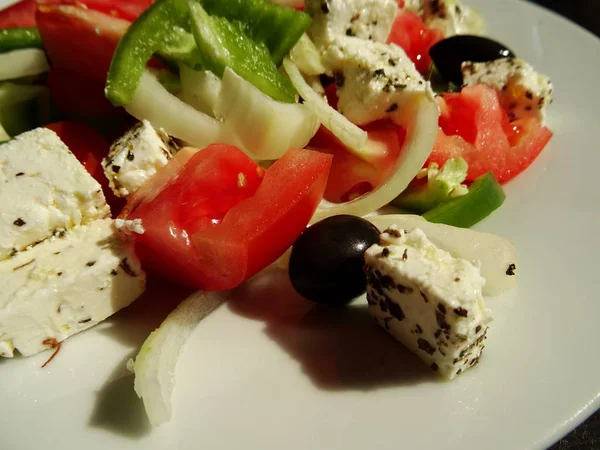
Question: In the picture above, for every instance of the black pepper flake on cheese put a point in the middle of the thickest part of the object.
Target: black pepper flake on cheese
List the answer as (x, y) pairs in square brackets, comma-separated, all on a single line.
[(478, 329), (393, 232), (350, 32), (395, 310), (59, 274), (384, 253), (438, 333), (425, 346), (19, 222), (325, 7), (379, 73), (339, 80), (405, 255), (424, 297), (511, 270), (441, 321), (386, 281), (441, 308), (392, 62), (393, 107), (90, 263), (418, 329), (116, 168), (114, 273), (126, 268), (85, 320), (462, 312), (130, 156), (23, 265), (404, 289), (20, 174), (434, 366), (529, 95), (14, 252)]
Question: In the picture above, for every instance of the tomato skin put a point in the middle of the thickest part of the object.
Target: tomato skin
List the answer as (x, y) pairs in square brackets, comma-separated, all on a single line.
[(21, 14), (207, 229), (351, 176), (123, 9), (475, 127), (410, 33), (89, 147)]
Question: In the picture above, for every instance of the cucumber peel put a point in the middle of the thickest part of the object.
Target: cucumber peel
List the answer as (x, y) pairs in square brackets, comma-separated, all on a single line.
[(485, 196)]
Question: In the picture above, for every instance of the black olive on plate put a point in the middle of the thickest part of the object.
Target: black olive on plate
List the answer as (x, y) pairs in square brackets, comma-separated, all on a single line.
[(326, 264), (449, 54)]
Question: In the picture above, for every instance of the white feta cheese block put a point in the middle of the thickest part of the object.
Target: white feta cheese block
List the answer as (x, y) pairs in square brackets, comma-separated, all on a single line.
[(450, 16), (135, 157), (428, 300), (523, 92), (65, 285), (375, 80), (44, 189), (365, 19)]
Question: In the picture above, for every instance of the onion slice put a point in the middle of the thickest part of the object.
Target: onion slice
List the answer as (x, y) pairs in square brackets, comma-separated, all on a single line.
[(23, 63), (200, 89), (495, 253), (421, 123), (349, 134), (264, 128), (164, 110), (155, 364), (307, 57)]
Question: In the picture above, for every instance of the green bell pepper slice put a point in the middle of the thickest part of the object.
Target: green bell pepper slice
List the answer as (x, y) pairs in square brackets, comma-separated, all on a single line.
[(485, 196), (19, 38)]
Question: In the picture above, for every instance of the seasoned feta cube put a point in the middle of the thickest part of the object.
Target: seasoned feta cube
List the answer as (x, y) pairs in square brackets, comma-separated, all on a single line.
[(523, 92), (374, 80), (44, 189), (365, 19), (135, 157), (450, 16), (64, 285), (428, 300)]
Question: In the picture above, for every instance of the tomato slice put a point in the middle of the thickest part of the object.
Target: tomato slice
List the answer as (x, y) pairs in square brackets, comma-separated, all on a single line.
[(350, 176), (211, 221), (89, 147), (475, 127), (410, 33), (20, 14), (123, 9)]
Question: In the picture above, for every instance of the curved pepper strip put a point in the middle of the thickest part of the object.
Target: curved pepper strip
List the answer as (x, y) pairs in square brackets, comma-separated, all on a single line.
[(18, 38), (485, 196)]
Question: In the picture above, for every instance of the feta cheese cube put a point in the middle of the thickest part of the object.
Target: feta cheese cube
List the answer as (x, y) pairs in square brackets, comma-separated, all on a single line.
[(365, 19), (135, 157), (44, 190), (523, 92), (450, 16), (65, 285), (428, 300), (375, 80)]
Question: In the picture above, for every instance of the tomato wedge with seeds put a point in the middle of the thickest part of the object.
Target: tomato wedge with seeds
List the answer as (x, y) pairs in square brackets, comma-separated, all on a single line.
[(475, 127), (214, 218)]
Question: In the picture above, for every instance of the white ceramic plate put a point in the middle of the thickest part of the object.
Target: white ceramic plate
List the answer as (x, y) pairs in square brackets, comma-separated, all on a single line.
[(262, 377)]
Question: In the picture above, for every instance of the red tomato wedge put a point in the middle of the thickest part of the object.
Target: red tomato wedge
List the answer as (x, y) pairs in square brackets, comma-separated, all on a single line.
[(214, 218), (475, 127), (89, 147), (350, 176), (80, 44), (410, 33), (20, 14)]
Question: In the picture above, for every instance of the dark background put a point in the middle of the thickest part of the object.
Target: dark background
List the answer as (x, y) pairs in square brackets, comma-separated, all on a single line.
[(587, 14)]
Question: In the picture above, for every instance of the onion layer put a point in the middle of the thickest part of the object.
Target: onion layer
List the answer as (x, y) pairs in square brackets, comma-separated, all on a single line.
[(22, 63)]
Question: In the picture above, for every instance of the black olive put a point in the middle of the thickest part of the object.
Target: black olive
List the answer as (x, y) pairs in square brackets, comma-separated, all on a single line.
[(449, 54), (326, 264)]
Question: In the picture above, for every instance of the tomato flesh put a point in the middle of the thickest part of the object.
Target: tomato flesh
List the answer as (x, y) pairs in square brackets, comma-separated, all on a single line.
[(410, 33), (350, 176), (475, 127), (220, 218)]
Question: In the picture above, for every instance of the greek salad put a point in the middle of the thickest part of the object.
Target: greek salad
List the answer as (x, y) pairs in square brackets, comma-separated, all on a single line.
[(202, 142)]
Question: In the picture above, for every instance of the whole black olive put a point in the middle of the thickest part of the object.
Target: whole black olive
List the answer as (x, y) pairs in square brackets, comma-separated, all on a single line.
[(326, 264), (449, 54)]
